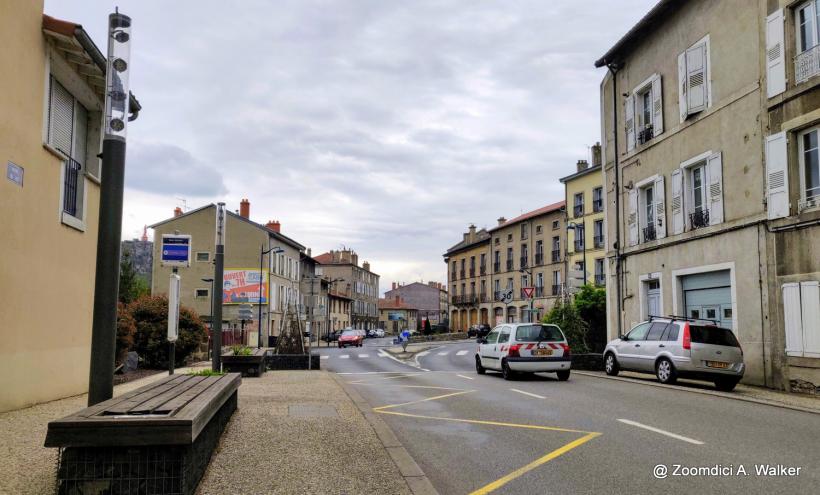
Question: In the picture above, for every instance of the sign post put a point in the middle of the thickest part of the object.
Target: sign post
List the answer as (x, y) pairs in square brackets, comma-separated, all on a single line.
[(175, 252), (173, 320), (529, 292)]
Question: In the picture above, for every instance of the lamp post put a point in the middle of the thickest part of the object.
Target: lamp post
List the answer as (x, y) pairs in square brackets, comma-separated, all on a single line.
[(219, 276), (574, 226), (210, 281), (262, 253), (529, 274)]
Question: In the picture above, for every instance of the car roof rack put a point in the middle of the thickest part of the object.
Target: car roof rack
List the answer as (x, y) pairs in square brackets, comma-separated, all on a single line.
[(684, 318)]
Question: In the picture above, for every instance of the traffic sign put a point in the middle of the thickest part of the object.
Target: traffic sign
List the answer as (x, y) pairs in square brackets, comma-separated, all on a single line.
[(506, 296), (176, 250), (528, 291), (245, 312)]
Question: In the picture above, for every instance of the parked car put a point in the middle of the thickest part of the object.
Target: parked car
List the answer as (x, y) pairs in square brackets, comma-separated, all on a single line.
[(332, 336), (514, 348), (352, 338), (379, 332), (478, 331), (675, 348)]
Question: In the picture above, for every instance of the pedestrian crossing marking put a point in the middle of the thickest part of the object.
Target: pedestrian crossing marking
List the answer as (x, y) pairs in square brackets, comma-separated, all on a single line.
[(443, 353), (423, 353), (324, 357), (364, 355), (344, 356), (461, 353)]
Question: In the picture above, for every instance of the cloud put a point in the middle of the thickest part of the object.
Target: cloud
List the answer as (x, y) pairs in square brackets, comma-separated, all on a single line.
[(167, 169)]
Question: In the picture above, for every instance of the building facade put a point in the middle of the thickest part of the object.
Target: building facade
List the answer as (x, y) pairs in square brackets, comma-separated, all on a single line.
[(396, 315), (363, 285), (469, 271), (426, 298), (315, 301), (341, 304), (51, 110)]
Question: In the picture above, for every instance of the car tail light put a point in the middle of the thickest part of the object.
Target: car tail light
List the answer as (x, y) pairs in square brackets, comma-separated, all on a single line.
[(687, 339), (565, 347), (514, 351)]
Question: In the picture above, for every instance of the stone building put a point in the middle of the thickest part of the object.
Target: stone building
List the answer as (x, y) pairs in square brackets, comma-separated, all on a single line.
[(469, 277), (426, 298), (141, 253), (396, 315), (362, 283)]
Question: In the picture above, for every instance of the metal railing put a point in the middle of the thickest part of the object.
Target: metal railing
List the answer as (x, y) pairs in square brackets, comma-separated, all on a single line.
[(539, 258), (597, 205), (482, 297), (524, 262), (482, 269), (453, 276), (461, 273), (649, 233), (646, 134), (808, 203), (71, 186), (807, 64), (509, 265), (472, 272), (600, 279), (598, 241), (539, 291), (556, 255), (578, 210), (496, 267), (699, 219), (556, 289), (579, 244)]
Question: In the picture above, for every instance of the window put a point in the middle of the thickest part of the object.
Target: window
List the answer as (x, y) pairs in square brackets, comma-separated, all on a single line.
[(509, 258), (509, 283), (556, 282), (578, 208), (203, 256), (580, 237), (644, 112), (647, 211), (656, 331), (639, 332), (806, 20), (555, 225), (598, 233), (556, 249), (509, 237), (539, 252), (492, 337), (504, 336), (600, 278), (525, 228), (497, 287), (693, 79), (201, 294), (497, 241), (809, 162), (647, 218), (598, 199), (538, 229)]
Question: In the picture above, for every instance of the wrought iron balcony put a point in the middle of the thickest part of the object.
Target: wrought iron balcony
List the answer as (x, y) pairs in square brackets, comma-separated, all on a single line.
[(600, 279), (646, 134), (597, 205), (524, 262), (539, 291), (808, 203), (807, 64), (649, 233), (482, 269), (509, 265), (472, 272), (483, 297), (71, 181), (699, 219), (598, 241), (556, 255), (496, 267), (461, 273), (556, 289), (452, 275), (579, 244), (539, 258), (578, 210)]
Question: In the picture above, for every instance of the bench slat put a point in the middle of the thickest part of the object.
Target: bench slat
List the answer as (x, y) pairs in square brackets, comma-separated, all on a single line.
[(126, 406), (152, 405), (182, 400)]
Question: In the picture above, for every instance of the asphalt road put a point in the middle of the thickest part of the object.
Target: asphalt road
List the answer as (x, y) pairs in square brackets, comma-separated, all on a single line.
[(482, 434)]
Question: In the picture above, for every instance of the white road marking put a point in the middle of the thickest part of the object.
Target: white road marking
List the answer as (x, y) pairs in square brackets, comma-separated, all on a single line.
[(467, 377), (324, 357), (461, 353), (527, 393), (423, 353), (662, 432), (443, 353), (364, 355), (343, 356)]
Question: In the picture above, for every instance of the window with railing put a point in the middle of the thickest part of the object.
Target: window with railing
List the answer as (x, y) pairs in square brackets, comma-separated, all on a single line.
[(807, 37), (649, 233), (809, 163), (556, 255), (600, 279), (699, 218), (556, 289), (509, 265), (539, 291), (598, 199), (578, 207), (539, 258), (579, 244), (462, 273), (482, 269), (497, 266), (71, 186)]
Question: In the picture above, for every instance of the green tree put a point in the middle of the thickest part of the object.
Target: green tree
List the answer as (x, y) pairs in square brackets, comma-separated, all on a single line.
[(590, 303), (132, 286), (126, 328), (575, 328), (150, 314)]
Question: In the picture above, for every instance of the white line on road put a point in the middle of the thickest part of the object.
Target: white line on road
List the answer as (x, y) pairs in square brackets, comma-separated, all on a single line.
[(662, 432), (324, 357), (527, 393), (344, 356), (364, 355), (461, 353), (442, 353), (467, 377), (423, 353)]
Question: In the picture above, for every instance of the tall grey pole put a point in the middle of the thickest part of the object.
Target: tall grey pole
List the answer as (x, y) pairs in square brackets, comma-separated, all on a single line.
[(219, 277), (259, 297), (106, 284)]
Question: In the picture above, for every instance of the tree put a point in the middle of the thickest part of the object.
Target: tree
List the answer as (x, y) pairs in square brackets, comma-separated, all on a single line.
[(150, 314), (575, 328), (132, 286), (126, 328), (591, 305)]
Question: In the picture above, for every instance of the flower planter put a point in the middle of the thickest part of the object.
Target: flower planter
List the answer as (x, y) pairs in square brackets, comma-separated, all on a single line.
[(252, 365)]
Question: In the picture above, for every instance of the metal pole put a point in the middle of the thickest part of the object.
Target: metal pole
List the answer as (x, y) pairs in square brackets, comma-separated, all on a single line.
[(259, 296), (584, 255), (219, 276), (613, 69)]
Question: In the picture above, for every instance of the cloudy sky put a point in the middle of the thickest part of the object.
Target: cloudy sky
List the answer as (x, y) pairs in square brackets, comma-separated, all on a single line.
[(386, 126)]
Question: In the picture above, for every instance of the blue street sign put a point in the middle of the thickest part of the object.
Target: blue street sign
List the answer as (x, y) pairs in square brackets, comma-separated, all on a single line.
[(176, 250)]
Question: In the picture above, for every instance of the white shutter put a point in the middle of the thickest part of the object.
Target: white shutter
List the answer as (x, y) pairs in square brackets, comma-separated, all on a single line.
[(273, 296), (632, 220), (629, 122), (657, 106), (715, 192), (777, 176), (682, 87), (696, 78), (677, 201), (810, 304), (660, 208), (793, 324), (775, 56), (60, 117)]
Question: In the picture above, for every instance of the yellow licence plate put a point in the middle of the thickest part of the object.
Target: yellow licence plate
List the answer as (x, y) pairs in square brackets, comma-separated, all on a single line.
[(542, 352), (717, 364)]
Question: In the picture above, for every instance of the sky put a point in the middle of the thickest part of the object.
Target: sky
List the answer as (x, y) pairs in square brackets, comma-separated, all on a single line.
[(384, 126)]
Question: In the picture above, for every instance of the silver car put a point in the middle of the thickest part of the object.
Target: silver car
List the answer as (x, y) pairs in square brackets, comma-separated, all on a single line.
[(676, 347)]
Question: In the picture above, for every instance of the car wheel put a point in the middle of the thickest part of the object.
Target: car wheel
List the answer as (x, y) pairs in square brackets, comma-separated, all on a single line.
[(665, 371), (726, 384), (478, 368), (563, 375), (611, 365), (506, 372)]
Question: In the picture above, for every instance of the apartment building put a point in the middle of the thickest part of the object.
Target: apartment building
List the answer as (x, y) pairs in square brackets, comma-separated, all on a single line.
[(51, 111), (341, 303), (426, 298), (396, 315), (244, 242), (470, 280), (315, 299), (584, 195), (363, 285)]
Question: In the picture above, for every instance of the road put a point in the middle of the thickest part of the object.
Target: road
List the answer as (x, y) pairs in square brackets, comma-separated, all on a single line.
[(481, 434)]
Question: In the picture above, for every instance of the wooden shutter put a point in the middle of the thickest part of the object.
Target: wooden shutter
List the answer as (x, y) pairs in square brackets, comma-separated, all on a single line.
[(657, 106), (793, 319), (775, 56), (60, 117), (677, 201), (777, 176), (684, 111), (810, 313), (632, 219), (660, 208), (629, 122), (714, 194), (696, 78)]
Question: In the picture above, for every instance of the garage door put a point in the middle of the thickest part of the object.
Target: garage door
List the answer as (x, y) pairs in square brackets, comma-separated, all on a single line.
[(709, 296)]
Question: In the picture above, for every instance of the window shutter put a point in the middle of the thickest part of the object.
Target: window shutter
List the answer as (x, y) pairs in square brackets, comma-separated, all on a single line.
[(696, 78), (793, 319), (660, 208), (60, 117), (81, 126), (777, 176), (715, 192), (677, 201), (632, 220), (775, 56), (682, 87), (629, 122), (810, 312), (657, 106)]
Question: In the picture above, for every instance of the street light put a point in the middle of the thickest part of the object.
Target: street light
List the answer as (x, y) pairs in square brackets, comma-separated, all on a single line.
[(574, 226), (262, 253)]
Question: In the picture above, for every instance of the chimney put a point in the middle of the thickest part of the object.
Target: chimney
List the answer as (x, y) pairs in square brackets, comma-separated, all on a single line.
[(366, 266), (501, 221), (245, 208), (596, 154), (394, 285), (277, 227), (144, 234), (308, 252), (177, 211), (354, 259), (472, 233), (582, 165)]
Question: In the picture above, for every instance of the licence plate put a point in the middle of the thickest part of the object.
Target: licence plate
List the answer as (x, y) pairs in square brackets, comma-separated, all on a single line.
[(717, 364), (542, 352)]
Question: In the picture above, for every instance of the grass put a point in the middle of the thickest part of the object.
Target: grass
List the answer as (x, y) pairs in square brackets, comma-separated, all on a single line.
[(206, 372), (241, 350)]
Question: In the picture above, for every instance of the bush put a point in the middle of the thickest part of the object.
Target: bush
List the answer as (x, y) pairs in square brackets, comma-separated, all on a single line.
[(126, 328), (150, 314), (591, 305), (575, 328)]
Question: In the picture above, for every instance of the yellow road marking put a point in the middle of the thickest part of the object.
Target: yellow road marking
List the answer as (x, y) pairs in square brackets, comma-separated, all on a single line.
[(390, 406), (534, 464), (399, 376), (478, 421)]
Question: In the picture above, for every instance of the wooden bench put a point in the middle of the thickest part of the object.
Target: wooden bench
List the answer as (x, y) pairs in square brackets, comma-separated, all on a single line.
[(156, 439)]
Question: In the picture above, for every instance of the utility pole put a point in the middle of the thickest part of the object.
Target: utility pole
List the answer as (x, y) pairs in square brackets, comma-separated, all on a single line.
[(219, 277), (106, 285)]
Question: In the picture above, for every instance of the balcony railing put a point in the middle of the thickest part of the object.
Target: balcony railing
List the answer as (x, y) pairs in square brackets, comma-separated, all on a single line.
[(472, 272), (539, 258), (465, 299), (598, 240), (482, 269), (578, 210), (807, 64), (649, 233), (524, 262), (600, 279), (556, 289), (539, 291), (646, 134), (808, 203), (461, 273), (579, 245), (483, 297), (556, 255), (509, 265), (452, 275), (699, 219), (597, 205), (72, 178), (496, 267)]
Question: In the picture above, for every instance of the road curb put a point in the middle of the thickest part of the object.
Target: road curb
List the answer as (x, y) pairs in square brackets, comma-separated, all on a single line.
[(702, 392), (413, 475)]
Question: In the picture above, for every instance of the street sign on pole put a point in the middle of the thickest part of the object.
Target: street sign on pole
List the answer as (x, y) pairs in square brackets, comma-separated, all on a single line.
[(506, 296), (528, 291), (173, 308), (176, 250), (575, 280)]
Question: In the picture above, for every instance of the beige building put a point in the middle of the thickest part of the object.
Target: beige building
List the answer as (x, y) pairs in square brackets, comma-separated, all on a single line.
[(51, 106), (470, 283), (362, 284), (396, 315), (341, 304), (700, 224), (244, 241)]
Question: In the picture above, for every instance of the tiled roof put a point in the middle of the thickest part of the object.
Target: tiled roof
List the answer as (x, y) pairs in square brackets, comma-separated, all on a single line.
[(480, 236), (392, 304), (534, 213), (324, 258)]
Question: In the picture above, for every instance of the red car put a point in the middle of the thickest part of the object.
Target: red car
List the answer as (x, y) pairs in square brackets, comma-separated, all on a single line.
[(352, 338)]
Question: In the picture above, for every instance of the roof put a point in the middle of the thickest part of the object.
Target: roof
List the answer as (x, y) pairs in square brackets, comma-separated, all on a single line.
[(534, 213), (647, 24), (77, 47), (273, 233), (392, 304), (481, 237), (427, 286), (582, 173), (327, 259)]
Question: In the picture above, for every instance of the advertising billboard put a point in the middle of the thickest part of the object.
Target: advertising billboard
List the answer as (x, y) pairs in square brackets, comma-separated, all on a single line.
[(241, 286), (395, 315)]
